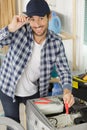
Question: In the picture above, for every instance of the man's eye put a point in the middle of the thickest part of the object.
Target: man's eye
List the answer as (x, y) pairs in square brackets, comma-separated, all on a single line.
[(41, 18), (32, 19)]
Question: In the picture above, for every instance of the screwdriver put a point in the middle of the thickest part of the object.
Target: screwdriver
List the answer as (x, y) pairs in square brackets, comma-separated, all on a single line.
[(66, 108)]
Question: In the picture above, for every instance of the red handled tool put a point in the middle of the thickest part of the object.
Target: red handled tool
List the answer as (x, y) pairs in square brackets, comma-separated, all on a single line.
[(67, 108), (43, 101)]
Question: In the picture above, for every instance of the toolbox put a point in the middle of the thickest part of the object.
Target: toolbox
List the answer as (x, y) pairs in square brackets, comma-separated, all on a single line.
[(79, 81), (49, 113)]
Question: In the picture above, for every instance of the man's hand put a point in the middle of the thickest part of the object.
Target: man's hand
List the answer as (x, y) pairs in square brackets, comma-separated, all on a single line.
[(17, 22), (68, 97)]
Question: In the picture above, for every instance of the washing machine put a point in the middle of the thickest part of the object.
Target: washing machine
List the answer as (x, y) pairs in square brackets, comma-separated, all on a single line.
[(49, 114)]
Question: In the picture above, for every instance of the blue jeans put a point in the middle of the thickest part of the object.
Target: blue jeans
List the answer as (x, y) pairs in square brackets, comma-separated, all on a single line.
[(11, 109)]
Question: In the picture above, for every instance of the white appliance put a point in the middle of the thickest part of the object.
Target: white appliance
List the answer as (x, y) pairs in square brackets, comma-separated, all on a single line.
[(5, 121)]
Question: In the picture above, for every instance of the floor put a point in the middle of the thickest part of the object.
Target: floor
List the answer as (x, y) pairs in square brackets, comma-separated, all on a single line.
[(22, 116)]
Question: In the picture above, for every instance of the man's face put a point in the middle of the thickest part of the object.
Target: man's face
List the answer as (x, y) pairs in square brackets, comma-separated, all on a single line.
[(39, 25)]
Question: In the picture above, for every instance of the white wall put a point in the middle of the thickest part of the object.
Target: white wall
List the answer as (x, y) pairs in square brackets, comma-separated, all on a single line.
[(81, 47), (24, 3), (64, 9)]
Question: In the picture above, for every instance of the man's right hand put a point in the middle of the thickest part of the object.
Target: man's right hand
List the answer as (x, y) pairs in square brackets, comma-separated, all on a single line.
[(17, 22)]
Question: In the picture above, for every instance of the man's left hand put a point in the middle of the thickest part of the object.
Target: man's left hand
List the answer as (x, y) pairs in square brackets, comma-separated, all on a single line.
[(68, 97)]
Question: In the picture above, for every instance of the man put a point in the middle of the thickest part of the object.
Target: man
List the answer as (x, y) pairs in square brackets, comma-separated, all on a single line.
[(33, 51)]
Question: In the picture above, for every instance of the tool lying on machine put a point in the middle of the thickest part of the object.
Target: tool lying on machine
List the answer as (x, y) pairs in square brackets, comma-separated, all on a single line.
[(47, 105)]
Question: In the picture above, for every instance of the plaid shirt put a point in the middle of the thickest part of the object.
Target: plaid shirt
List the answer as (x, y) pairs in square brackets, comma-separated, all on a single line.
[(20, 50)]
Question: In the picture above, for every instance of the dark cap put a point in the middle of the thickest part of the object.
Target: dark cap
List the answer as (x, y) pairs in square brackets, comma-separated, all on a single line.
[(37, 8)]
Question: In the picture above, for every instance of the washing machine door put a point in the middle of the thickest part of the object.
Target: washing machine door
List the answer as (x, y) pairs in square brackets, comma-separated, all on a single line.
[(5, 121)]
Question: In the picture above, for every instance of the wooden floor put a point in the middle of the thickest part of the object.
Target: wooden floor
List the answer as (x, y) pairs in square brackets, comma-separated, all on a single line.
[(22, 116)]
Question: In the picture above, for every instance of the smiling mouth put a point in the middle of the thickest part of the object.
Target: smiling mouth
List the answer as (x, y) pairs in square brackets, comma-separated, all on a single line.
[(39, 29)]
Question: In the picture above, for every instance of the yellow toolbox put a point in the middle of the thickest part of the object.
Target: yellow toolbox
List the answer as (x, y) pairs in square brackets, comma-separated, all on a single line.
[(79, 81)]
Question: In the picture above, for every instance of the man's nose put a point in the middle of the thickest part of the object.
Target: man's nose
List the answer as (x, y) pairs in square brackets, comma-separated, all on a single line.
[(37, 23)]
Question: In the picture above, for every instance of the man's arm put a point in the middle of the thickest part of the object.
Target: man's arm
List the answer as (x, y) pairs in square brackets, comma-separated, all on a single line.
[(5, 36), (65, 75), (7, 32)]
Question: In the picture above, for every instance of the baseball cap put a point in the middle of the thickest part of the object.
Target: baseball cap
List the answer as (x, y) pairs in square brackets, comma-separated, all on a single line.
[(37, 8)]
